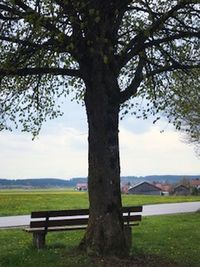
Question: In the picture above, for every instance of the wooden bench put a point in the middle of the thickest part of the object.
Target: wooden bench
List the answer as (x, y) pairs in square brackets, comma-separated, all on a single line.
[(43, 222)]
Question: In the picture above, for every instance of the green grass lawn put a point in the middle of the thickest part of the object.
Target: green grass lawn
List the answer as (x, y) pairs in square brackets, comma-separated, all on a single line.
[(175, 238), (18, 202), (171, 236)]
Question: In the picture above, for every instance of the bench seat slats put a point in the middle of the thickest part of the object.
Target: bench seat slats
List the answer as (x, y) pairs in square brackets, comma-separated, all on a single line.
[(76, 221), (59, 213), (51, 223), (63, 228), (132, 209), (76, 212)]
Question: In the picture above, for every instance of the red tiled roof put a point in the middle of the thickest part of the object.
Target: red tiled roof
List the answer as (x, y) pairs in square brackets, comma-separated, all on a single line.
[(124, 189), (164, 187), (81, 185), (195, 182)]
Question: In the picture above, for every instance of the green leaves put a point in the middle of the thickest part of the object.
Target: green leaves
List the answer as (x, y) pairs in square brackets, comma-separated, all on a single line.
[(60, 34)]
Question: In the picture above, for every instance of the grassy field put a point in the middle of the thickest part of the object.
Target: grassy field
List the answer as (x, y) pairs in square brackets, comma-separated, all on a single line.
[(159, 239), (16, 202)]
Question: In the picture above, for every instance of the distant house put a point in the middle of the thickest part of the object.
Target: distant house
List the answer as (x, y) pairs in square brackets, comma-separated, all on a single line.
[(124, 189), (195, 183), (81, 187), (181, 190), (165, 188), (144, 188)]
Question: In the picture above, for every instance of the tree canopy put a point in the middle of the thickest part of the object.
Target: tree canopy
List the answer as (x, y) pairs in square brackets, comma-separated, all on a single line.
[(42, 42), (108, 53), (185, 109)]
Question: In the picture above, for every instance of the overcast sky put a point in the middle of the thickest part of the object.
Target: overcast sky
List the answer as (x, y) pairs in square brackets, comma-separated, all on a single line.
[(61, 149)]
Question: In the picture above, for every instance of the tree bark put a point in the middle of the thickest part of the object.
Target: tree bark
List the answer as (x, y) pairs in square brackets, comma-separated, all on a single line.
[(105, 232)]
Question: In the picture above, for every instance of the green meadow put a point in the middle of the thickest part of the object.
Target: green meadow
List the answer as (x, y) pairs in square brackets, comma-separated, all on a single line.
[(168, 240), (20, 202)]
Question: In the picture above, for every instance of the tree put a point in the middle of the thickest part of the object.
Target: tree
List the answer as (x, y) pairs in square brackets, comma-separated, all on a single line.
[(184, 181), (110, 52), (185, 110)]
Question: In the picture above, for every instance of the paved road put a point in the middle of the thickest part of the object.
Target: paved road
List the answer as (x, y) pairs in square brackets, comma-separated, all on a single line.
[(148, 210)]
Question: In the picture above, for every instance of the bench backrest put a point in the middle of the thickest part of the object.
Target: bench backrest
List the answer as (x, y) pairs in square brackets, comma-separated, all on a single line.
[(75, 217)]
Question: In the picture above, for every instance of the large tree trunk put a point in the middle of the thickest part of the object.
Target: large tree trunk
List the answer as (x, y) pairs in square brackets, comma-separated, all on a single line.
[(105, 233)]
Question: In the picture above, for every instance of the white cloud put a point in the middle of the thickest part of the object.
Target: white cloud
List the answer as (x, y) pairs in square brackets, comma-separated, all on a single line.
[(156, 153), (62, 152)]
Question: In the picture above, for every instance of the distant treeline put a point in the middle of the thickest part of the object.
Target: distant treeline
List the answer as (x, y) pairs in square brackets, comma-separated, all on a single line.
[(40, 183), (53, 182)]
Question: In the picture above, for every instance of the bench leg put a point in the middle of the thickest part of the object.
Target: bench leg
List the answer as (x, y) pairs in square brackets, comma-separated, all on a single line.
[(39, 240), (128, 236)]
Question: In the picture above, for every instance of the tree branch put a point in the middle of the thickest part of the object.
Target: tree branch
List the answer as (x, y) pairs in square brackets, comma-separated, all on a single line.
[(18, 41), (137, 44), (40, 71), (180, 35), (50, 43), (6, 8), (58, 41), (131, 90), (43, 21), (172, 67)]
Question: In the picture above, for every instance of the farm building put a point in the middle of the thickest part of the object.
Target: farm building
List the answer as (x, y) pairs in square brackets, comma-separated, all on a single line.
[(144, 188), (165, 188), (81, 187), (196, 183), (181, 190), (125, 188)]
